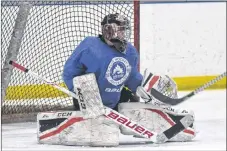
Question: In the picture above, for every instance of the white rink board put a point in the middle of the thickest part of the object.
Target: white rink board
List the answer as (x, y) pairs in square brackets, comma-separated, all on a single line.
[(183, 39)]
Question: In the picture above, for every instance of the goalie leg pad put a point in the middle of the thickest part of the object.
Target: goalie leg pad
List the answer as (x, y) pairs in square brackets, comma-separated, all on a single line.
[(155, 120), (104, 132), (71, 128)]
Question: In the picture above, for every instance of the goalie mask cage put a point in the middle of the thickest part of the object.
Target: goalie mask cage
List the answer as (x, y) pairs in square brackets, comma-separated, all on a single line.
[(41, 35)]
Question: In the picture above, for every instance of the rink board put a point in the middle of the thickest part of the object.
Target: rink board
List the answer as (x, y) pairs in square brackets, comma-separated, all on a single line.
[(46, 91)]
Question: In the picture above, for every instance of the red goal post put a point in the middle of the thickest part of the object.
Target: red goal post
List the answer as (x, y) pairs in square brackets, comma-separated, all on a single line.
[(41, 35)]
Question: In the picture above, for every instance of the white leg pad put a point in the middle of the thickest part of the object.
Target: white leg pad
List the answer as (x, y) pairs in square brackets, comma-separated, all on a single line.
[(104, 132), (152, 118), (70, 128)]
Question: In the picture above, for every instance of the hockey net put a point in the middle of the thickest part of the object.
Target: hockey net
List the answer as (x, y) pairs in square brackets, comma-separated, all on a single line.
[(53, 30)]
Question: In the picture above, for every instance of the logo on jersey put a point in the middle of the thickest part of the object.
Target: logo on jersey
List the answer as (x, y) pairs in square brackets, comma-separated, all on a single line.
[(118, 71)]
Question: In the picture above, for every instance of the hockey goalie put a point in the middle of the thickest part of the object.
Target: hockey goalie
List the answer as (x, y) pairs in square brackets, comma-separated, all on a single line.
[(93, 128), (103, 73)]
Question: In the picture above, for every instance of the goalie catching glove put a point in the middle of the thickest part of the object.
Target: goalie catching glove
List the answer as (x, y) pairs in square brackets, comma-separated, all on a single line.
[(162, 83)]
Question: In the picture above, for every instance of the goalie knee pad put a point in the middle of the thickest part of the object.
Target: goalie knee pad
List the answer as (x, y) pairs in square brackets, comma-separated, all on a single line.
[(155, 119), (70, 128)]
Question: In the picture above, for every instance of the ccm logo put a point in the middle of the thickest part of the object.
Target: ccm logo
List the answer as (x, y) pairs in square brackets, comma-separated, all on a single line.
[(63, 114), (169, 109), (129, 124), (45, 116), (83, 105)]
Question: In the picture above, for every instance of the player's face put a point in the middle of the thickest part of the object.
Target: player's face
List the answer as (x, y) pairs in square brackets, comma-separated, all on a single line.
[(122, 33), (115, 31)]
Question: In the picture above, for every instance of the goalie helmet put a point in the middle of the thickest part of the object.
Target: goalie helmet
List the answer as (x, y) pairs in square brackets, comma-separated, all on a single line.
[(116, 30)]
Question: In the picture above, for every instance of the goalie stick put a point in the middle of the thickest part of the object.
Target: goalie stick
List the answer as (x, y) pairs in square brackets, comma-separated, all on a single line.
[(119, 118), (47, 81), (167, 100)]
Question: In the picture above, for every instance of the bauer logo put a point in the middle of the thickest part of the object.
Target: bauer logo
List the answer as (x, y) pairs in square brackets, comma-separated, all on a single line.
[(129, 124), (118, 71)]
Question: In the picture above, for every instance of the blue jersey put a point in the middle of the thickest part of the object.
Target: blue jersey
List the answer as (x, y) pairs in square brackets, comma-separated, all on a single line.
[(113, 70)]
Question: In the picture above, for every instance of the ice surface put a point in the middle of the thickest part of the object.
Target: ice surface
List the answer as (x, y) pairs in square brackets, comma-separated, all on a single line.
[(210, 114)]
